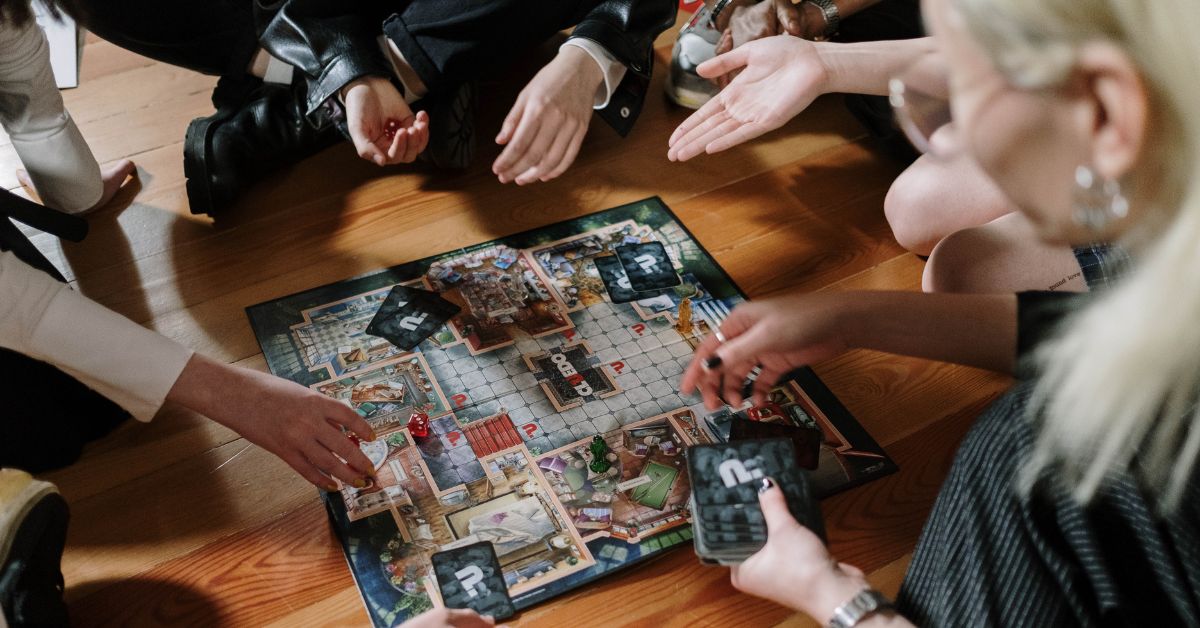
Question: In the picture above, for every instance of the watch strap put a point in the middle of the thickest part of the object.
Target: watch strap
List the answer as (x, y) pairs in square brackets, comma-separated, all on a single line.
[(833, 17), (858, 608)]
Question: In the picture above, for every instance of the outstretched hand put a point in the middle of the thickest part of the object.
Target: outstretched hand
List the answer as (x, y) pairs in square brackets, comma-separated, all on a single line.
[(779, 77), (301, 426), (546, 126), (775, 335), (382, 126)]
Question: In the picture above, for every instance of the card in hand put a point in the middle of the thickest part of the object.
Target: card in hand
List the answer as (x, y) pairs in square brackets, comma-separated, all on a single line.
[(410, 315), (470, 577), (616, 282), (806, 440), (648, 266)]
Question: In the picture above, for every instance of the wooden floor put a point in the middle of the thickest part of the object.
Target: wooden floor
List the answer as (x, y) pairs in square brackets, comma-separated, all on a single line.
[(181, 522)]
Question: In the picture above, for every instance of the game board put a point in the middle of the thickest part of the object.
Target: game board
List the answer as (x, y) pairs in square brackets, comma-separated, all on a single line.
[(537, 363)]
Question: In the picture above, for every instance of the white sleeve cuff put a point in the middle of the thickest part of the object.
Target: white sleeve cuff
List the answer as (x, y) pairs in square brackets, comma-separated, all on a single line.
[(114, 356), (612, 69)]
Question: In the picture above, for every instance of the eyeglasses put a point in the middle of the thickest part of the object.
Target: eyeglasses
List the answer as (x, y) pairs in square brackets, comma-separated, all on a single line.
[(920, 97)]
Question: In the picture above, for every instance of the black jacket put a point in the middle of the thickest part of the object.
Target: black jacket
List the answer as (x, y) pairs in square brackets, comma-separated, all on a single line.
[(334, 43)]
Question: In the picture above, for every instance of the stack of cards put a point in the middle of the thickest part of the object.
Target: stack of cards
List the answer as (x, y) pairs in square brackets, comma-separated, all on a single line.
[(637, 271), (727, 522)]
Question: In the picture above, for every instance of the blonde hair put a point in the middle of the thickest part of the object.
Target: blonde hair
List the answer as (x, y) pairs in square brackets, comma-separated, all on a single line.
[(1121, 380)]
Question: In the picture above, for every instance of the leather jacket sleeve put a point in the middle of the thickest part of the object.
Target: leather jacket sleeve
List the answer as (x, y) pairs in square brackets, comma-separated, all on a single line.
[(627, 29), (332, 43)]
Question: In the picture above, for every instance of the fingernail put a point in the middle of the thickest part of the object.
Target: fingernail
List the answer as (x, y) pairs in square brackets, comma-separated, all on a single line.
[(711, 362), (331, 487), (372, 435), (765, 485), (360, 483)]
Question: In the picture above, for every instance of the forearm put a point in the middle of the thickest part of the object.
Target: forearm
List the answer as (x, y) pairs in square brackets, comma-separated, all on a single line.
[(204, 384), (973, 330), (866, 68)]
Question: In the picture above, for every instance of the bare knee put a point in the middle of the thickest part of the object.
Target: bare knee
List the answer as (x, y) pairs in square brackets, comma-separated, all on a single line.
[(962, 262), (906, 208)]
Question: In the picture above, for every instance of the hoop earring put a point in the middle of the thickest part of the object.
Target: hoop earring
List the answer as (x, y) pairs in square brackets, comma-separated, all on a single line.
[(1097, 201)]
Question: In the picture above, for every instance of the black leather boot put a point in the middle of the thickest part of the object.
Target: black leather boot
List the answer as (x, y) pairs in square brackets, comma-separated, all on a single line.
[(258, 128)]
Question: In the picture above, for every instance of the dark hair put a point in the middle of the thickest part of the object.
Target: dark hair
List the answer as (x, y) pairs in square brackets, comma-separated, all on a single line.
[(19, 12)]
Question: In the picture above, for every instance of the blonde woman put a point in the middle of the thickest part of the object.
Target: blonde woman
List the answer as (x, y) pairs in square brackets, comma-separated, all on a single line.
[(1073, 500)]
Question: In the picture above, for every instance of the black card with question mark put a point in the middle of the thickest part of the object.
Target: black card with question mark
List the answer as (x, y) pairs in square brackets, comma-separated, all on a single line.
[(648, 266), (728, 524), (470, 577)]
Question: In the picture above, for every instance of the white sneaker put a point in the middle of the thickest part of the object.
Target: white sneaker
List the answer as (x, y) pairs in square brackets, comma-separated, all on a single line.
[(33, 531), (697, 43)]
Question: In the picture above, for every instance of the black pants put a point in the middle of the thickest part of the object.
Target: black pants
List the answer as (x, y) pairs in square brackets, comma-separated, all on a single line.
[(215, 37), (46, 416), (448, 42)]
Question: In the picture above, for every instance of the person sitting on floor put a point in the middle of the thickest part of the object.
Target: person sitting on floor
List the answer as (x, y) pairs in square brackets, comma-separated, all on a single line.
[(1074, 499), (944, 208), (396, 78)]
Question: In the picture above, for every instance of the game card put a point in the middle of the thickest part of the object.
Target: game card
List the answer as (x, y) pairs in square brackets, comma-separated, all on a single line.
[(648, 266), (806, 440), (470, 577), (617, 283), (410, 315)]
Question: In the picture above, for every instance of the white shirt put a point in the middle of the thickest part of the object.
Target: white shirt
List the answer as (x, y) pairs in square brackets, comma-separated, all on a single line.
[(58, 160), (39, 316), (613, 70)]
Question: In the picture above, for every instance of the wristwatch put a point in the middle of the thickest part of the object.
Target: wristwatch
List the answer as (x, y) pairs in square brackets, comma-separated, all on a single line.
[(861, 606), (833, 19)]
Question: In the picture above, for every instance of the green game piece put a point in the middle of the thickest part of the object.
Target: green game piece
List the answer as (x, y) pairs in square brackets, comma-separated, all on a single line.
[(600, 451)]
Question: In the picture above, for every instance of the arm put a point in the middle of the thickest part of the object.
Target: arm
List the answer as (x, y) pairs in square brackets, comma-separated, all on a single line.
[(59, 163), (780, 77), (140, 370), (780, 335)]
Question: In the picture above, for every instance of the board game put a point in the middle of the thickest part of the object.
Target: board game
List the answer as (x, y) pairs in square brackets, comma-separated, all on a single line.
[(550, 386)]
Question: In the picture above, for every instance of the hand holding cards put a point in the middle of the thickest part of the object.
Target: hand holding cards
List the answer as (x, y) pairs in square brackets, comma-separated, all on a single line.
[(728, 524)]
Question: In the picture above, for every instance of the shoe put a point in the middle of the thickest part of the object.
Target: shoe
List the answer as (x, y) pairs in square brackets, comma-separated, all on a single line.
[(33, 531), (451, 127), (697, 43), (258, 128)]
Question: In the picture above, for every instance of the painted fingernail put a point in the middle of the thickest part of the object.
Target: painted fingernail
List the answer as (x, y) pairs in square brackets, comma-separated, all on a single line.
[(372, 435), (765, 485), (712, 362), (331, 487), (360, 483)]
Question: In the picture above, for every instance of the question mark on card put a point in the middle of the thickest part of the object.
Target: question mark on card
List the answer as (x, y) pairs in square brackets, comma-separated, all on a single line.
[(530, 429), (733, 472), (618, 367), (639, 328), (469, 576), (569, 334), (647, 262), (459, 400), (454, 436)]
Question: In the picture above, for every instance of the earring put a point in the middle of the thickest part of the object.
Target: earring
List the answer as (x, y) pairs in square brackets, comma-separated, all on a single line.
[(1097, 201)]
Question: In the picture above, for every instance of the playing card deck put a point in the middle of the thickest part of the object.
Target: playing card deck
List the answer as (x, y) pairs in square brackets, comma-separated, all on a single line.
[(806, 440), (470, 577), (410, 315), (727, 523)]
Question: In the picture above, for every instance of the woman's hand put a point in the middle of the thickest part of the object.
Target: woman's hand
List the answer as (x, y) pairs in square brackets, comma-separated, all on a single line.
[(382, 126), (780, 77), (794, 568), (299, 425), (546, 125), (449, 618), (777, 335)]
